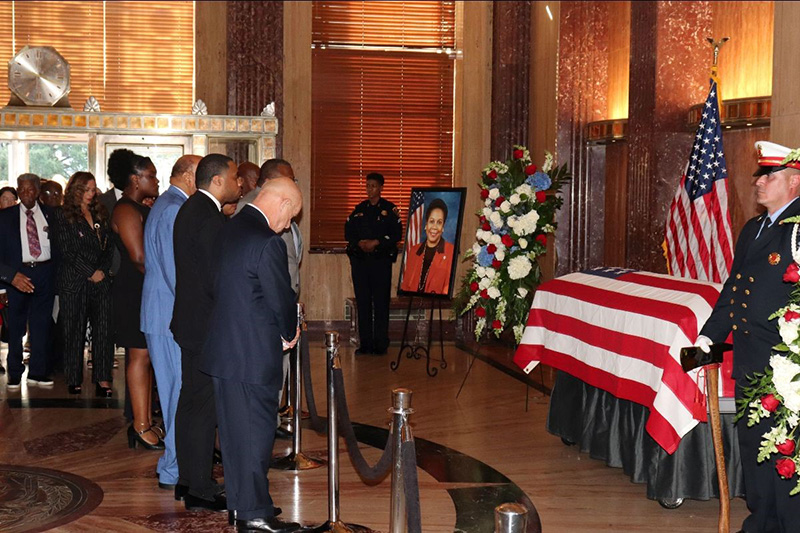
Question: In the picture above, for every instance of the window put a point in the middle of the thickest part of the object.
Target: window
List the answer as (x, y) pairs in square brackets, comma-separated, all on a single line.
[(48, 160), (382, 101), (4, 149), (131, 56)]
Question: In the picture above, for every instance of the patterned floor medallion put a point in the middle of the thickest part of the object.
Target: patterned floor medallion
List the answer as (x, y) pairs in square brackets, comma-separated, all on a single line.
[(38, 499)]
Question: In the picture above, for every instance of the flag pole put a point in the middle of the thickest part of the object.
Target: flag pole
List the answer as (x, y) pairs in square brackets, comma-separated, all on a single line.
[(712, 375)]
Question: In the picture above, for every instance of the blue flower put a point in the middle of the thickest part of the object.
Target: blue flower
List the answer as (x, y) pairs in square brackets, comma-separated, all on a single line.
[(484, 257), (540, 181)]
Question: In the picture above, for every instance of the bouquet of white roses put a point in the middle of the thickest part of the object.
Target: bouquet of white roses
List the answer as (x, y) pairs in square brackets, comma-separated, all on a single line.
[(518, 214)]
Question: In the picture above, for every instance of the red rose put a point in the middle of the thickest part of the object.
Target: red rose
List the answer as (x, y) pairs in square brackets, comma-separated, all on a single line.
[(484, 194), (791, 315), (481, 219), (480, 312), (499, 201), (497, 324), (542, 239), (518, 154), (770, 402), (473, 286), (491, 249), (508, 242), (486, 226), (786, 447), (785, 468), (530, 169), (496, 263), (492, 175), (485, 294), (541, 196), (792, 274)]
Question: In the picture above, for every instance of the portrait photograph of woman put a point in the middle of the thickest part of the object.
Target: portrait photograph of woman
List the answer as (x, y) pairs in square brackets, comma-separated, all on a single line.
[(433, 231)]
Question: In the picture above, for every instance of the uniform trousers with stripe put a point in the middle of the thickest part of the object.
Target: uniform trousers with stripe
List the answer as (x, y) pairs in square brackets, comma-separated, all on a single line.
[(91, 303), (247, 415), (165, 355)]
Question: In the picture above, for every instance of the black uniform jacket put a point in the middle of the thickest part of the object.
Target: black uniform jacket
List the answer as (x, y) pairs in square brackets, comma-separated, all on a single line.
[(754, 290), (380, 221)]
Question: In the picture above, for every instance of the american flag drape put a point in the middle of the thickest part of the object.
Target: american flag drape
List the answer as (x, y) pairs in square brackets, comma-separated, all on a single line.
[(415, 223), (699, 241)]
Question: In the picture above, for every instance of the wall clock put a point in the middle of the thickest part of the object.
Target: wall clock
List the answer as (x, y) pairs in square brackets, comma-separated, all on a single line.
[(39, 76)]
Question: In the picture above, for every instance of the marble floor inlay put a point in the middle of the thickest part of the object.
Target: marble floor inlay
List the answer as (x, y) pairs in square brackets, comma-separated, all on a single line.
[(38, 499)]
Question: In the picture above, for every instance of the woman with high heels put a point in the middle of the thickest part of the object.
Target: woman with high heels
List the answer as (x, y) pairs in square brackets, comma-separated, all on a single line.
[(84, 287), (136, 177)]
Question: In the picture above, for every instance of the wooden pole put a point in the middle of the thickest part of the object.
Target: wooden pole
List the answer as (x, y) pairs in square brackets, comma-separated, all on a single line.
[(712, 389)]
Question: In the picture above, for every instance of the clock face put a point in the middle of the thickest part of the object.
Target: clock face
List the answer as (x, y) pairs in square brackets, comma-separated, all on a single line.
[(39, 75)]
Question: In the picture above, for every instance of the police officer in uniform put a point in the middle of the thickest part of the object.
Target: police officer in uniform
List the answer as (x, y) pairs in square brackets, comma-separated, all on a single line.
[(372, 232), (755, 290)]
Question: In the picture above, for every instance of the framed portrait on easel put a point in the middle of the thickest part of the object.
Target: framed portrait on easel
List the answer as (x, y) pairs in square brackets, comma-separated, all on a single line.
[(433, 230)]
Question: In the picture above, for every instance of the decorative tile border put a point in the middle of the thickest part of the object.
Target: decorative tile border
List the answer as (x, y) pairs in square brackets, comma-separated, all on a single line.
[(606, 131), (739, 113), (16, 118)]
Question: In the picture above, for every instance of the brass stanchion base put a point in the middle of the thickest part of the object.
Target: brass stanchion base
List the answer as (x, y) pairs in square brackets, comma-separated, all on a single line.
[(341, 527), (296, 462)]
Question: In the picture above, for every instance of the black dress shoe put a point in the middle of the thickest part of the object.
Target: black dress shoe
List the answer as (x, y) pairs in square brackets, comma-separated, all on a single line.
[(219, 504), (232, 515), (217, 456), (180, 491), (282, 433), (364, 351), (74, 389), (271, 525)]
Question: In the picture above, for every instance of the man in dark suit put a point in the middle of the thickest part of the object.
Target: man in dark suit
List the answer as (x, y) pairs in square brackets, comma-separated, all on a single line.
[(244, 357), (755, 290), (197, 224), (27, 265)]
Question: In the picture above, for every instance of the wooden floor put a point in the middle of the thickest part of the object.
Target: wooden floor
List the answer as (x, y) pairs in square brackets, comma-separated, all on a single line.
[(488, 422)]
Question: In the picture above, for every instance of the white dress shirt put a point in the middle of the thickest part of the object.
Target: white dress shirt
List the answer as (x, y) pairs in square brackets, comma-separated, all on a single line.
[(213, 198), (41, 227)]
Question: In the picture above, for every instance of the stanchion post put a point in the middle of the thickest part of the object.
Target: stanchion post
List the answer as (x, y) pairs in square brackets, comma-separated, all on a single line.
[(401, 408), (334, 523), (510, 518), (332, 347), (297, 460)]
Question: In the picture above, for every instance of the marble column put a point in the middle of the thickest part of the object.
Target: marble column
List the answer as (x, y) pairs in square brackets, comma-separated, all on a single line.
[(582, 98), (255, 59), (786, 75), (511, 67), (669, 72)]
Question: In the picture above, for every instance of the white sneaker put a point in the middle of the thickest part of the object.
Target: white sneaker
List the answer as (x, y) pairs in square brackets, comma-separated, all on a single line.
[(40, 380)]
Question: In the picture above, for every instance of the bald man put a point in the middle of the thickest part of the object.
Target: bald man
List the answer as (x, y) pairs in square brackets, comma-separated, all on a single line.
[(249, 173), (158, 299), (244, 357)]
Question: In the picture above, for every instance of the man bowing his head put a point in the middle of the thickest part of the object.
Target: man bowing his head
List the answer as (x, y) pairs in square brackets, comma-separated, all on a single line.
[(244, 358)]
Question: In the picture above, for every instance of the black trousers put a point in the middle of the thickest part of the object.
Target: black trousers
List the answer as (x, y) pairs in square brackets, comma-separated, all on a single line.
[(93, 303), (33, 311), (195, 428), (247, 422), (372, 282), (767, 494)]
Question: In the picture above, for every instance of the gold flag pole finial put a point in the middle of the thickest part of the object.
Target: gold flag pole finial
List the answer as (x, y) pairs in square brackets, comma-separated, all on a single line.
[(716, 45)]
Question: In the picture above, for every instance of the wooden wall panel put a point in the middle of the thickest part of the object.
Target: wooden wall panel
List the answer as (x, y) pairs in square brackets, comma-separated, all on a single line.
[(616, 191), (786, 76), (745, 62), (211, 56)]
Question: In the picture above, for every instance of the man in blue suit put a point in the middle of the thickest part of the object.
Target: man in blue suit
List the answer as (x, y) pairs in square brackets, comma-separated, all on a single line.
[(27, 266), (158, 299), (244, 357)]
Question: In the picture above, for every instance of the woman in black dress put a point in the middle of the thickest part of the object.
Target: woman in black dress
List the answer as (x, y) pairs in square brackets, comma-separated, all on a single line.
[(84, 286), (136, 177)]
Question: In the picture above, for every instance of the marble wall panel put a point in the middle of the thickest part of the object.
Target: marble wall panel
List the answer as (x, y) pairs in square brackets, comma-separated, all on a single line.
[(511, 68), (582, 98), (255, 59), (668, 75)]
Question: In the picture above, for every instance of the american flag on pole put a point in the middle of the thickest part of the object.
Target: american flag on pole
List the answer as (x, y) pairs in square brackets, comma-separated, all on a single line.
[(622, 331), (699, 241), (415, 223)]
